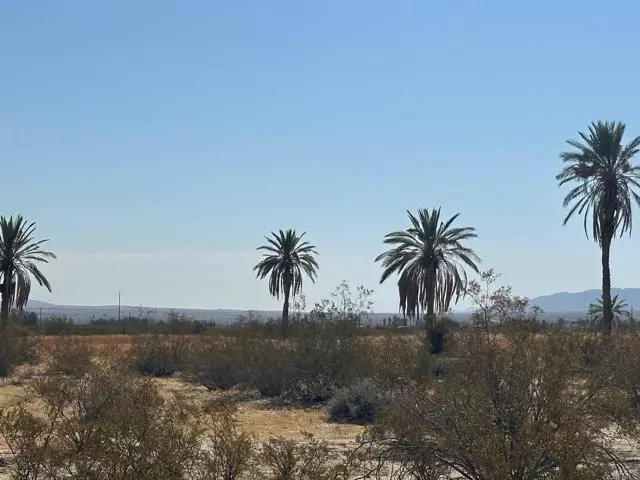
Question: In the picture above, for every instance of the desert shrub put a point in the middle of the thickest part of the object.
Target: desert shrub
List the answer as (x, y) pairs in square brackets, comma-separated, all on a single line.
[(393, 359), (615, 367), (592, 350), (263, 364), (107, 424), (25, 436), (230, 452), (306, 460), (306, 368), (529, 408), (311, 365), (16, 347), (358, 403), (220, 363), (324, 358), (252, 362), (110, 423), (271, 370), (283, 458), (160, 355), (70, 356)]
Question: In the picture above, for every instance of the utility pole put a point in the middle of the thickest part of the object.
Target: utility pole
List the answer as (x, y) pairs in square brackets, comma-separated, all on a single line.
[(118, 306), (40, 317)]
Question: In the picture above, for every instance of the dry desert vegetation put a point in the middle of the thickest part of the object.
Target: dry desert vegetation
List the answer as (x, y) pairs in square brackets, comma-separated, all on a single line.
[(525, 403)]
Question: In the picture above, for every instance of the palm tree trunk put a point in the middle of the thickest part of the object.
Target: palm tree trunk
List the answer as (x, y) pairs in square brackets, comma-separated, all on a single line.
[(607, 308), (430, 319), (5, 303), (285, 312), (4, 310), (431, 339)]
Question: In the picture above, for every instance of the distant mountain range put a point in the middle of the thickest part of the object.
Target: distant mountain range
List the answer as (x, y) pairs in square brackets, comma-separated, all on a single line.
[(570, 306), (579, 301)]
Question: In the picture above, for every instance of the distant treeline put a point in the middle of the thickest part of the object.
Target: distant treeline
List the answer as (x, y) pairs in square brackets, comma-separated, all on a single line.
[(176, 323), (251, 324), (127, 325)]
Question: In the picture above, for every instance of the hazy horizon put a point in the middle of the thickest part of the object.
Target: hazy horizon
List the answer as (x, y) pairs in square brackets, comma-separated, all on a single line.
[(156, 143), (464, 306)]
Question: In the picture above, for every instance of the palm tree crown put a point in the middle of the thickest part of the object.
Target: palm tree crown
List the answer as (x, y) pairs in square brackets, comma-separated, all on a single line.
[(287, 257), (606, 180), (20, 255), (285, 261), (619, 307), (430, 258)]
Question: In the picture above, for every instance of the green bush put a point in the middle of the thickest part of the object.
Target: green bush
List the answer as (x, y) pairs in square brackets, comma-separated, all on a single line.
[(160, 355), (310, 366), (262, 364), (272, 370), (393, 359), (358, 404), (324, 359), (306, 368), (220, 363)]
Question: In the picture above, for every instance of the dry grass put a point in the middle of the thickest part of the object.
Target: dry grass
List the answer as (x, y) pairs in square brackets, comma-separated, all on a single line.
[(259, 417), (293, 423), (12, 395), (121, 342)]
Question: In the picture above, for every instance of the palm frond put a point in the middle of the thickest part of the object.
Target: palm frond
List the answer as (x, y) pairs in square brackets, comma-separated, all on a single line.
[(619, 307), (20, 255)]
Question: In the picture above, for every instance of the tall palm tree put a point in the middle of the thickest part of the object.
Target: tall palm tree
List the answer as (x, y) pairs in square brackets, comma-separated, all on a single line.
[(287, 257), (619, 308), (20, 255), (606, 186), (430, 258)]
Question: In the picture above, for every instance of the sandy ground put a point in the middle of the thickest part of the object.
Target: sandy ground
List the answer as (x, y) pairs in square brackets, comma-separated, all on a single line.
[(261, 418)]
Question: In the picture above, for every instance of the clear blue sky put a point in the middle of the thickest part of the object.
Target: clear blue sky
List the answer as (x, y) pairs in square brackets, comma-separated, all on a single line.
[(155, 142)]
